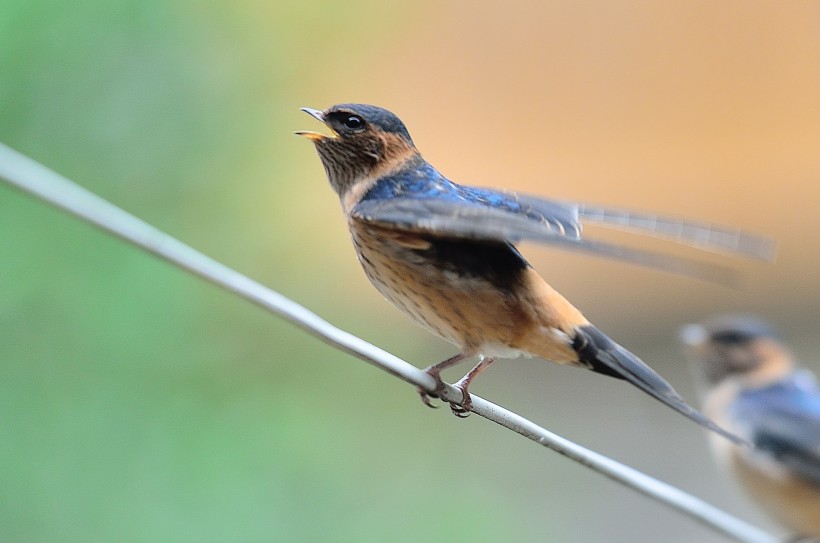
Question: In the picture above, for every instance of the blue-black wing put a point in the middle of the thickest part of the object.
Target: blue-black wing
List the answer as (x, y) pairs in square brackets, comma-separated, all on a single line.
[(423, 201), (783, 421), (468, 220)]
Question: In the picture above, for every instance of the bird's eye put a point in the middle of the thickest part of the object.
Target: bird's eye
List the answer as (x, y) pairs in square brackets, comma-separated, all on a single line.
[(353, 122)]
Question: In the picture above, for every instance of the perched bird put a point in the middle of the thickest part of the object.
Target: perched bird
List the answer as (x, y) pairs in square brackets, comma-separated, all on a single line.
[(444, 254), (757, 392)]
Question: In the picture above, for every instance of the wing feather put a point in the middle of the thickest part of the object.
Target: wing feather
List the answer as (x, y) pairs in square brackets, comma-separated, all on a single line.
[(467, 219), (701, 235)]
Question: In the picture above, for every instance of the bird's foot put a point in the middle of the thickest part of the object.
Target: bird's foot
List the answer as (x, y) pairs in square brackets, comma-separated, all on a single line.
[(462, 410), (425, 396), (434, 371)]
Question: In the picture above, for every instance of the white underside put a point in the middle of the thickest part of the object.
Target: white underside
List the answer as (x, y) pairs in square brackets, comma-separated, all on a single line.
[(495, 350)]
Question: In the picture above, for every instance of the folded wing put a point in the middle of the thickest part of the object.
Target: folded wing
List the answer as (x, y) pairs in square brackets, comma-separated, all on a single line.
[(785, 424)]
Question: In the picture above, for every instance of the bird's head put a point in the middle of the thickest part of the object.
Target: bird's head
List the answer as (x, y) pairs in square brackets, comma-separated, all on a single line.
[(365, 142), (737, 346)]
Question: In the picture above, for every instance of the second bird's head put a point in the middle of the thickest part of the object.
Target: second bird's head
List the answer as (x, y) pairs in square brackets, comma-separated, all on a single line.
[(737, 347), (365, 142)]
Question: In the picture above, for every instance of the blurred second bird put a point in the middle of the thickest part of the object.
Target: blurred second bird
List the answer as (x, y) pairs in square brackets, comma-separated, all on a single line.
[(757, 391)]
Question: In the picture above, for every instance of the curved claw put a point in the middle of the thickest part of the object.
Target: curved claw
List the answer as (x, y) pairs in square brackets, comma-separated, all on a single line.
[(459, 411), (462, 411), (425, 398)]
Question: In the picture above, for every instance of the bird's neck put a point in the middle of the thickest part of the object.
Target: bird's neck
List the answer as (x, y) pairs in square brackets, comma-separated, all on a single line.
[(357, 189)]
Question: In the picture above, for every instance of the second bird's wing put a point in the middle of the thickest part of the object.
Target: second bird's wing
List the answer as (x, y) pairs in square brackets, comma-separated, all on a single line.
[(787, 427)]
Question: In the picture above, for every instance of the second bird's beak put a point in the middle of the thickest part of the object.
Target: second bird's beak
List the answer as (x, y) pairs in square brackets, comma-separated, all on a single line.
[(315, 136), (693, 335)]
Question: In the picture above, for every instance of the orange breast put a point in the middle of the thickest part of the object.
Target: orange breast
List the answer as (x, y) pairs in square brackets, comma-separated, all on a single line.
[(468, 310)]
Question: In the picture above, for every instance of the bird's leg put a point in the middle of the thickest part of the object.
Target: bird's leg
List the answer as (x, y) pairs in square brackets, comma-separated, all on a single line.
[(463, 384), (434, 371)]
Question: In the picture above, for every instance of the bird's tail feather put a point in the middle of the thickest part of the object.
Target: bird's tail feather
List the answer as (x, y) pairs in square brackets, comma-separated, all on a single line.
[(602, 355)]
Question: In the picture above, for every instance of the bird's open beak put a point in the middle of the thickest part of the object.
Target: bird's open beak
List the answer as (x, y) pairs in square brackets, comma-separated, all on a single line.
[(315, 136)]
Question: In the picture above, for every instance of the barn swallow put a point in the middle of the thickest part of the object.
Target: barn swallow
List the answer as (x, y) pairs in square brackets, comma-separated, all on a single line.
[(757, 391), (445, 255)]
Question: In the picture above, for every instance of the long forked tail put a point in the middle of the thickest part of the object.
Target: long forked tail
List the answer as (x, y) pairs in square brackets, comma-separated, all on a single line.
[(602, 355)]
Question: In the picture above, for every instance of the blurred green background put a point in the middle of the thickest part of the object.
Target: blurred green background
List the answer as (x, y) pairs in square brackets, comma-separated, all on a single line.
[(139, 404)]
